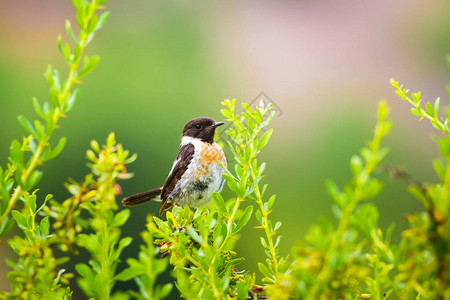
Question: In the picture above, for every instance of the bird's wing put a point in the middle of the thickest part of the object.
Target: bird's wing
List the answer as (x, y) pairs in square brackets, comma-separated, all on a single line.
[(180, 166)]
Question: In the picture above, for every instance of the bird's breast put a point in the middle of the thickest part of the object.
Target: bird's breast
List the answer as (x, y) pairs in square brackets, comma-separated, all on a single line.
[(210, 157), (203, 176)]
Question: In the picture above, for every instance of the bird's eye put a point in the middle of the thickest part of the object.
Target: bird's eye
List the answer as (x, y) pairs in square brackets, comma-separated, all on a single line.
[(198, 126)]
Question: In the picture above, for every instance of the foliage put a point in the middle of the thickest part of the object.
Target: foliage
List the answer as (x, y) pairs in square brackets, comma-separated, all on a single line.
[(200, 244), (333, 260), (36, 274), (146, 268), (423, 255), (431, 111), (351, 258), (97, 196), (35, 148)]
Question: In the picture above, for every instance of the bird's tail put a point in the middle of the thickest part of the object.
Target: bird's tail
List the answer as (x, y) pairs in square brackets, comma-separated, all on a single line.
[(137, 199)]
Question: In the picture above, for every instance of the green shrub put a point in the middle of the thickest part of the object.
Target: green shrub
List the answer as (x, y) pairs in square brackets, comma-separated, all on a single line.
[(350, 260)]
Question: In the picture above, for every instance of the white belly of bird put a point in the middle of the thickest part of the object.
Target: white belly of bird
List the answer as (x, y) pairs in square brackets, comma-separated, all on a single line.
[(202, 178)]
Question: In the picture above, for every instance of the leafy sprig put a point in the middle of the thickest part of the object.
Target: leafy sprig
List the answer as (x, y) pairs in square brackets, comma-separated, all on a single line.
[(200, 244), (21, 174), (104, 244), (429, 111), (36, 274), (330, 262), (146, 269), (247, 139)]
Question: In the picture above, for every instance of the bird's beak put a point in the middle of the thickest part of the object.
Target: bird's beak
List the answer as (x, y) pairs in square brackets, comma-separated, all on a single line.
[(217, 124)]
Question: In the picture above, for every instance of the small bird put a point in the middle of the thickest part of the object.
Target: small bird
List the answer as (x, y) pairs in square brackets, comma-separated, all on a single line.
[(196, 172)]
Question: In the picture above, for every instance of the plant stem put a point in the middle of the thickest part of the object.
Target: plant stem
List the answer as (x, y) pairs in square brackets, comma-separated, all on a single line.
[(326, 271), (269, 235), (230, 221), (18, 191), (426, 115), (360, 180), (71, 80)]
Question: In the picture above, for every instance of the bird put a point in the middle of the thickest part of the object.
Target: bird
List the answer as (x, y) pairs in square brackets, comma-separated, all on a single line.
[(196, 172)]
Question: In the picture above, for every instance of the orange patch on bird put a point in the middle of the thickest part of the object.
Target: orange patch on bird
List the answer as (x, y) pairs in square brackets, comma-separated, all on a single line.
[(210, 154)]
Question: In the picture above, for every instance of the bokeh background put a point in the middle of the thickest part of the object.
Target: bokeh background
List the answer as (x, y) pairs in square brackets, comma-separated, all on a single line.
[(325, 65)]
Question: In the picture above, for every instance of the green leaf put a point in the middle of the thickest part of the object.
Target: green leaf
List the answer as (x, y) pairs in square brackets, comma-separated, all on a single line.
[(162, 291), (20, 220), (85, 272), (121, 217), (239, 126), (219, 204), (78, 4), (16, 153), (37, 108), (66, 54), (56, 281), (243, 184), (439, 169), (277, 241), (32, 145), (44, 226), (263, 242), (77, 52), (57, 150), (89, 65), (47, 198), (92, 24), (130, 273), (444, 145), (271, 201), (416, 112), (259, 217), (232, 184), (73, 99), (261, 169), (102, 20), (6, 226), (31, 201), (436, 107), (265, 271), (277, 225), (334, 192), (111, 140), (226, 113), (33, 180), (70, 31), (419, 194), (242, 290), (45, 109), (59, 42), (243, 220), (429, 109), (125, 242), (416, 97), (48, 74), (373, 188), (194, 235), (264, 140), (356, 164), (248, 109), (269, 119)]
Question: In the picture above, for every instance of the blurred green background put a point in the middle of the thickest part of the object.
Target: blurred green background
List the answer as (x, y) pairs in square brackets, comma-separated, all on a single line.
[(325, 65)]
